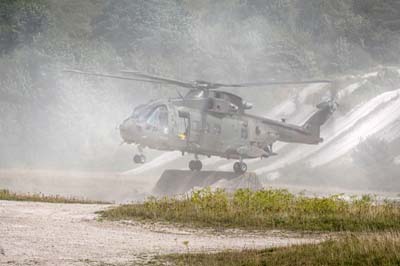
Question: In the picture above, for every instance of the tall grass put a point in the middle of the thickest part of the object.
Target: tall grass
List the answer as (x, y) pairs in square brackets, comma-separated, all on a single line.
[(11, 196), (363, 250), (266, 209)]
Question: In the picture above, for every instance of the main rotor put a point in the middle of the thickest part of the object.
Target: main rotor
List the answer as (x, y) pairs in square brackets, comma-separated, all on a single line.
[(193, 85)]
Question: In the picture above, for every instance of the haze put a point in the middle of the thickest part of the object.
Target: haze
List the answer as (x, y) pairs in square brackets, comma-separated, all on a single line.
[(53, 120)]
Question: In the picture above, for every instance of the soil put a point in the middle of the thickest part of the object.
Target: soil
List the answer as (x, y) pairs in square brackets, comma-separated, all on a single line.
[(71, 234)]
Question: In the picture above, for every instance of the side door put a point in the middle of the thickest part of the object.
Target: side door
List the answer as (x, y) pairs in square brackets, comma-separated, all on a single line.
[(195, 128), (211, 141), (182, 126), (190, 124)]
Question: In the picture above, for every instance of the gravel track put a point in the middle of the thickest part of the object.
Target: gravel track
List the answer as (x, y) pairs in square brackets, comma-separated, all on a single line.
[(69, 234)]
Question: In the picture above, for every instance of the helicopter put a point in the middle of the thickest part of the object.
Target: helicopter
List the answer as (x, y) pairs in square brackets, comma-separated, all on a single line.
[(211, 122)]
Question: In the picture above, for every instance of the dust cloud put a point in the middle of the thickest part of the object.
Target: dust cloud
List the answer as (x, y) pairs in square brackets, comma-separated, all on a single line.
[(64, 126)]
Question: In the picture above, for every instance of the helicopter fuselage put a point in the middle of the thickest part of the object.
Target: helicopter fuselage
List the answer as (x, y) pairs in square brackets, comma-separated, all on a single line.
[(193, 126)]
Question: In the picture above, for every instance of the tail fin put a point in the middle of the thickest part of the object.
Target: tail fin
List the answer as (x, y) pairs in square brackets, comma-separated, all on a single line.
[(314, 123)]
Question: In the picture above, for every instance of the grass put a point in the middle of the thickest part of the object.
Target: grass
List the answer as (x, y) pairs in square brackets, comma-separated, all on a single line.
[(11, 196), (363, 250), (266, 209)]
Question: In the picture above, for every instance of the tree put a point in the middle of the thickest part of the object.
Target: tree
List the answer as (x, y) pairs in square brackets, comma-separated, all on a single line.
[(20, 21), (143, 26)]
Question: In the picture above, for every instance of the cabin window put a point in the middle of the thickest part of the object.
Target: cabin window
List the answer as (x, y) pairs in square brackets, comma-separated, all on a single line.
[(244, 131), (217, 129), (258, 131)]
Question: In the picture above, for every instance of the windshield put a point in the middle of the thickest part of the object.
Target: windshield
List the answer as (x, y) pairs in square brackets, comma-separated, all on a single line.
[(158, 119), (141, 112)]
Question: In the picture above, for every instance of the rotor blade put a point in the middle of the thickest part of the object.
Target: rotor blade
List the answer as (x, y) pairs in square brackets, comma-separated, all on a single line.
[(163, 79), (110, 76), (211, 85), (269, 83)]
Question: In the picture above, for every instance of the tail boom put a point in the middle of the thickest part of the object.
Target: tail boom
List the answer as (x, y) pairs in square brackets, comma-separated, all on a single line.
[(314, 123)]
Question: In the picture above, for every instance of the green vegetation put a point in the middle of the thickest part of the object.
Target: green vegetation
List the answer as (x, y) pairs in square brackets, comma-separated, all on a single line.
[(8, 195), (266, 209), (372, 249)]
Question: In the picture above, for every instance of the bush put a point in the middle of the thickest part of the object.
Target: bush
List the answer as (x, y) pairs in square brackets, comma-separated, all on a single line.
[(266, 209), (11, 196)]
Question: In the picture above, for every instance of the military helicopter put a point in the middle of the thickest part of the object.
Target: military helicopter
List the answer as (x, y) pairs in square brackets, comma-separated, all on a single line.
[(211, 122)]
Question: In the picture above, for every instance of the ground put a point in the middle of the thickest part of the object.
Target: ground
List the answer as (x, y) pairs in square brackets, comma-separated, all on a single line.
[(71, 234)]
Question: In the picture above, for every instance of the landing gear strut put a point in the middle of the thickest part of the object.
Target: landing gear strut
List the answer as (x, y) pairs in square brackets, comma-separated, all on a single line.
[(139, 158), (240, 167), (195, 165)]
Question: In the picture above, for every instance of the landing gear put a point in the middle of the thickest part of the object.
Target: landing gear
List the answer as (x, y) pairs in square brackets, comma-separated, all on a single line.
[(195, 165), (240, 167), (139, 159)]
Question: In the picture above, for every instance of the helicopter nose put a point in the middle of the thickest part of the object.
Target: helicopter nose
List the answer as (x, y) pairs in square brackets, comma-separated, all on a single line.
[(127, 130)]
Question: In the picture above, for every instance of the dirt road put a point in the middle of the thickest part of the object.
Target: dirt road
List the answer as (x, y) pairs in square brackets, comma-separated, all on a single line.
[(64, 234)]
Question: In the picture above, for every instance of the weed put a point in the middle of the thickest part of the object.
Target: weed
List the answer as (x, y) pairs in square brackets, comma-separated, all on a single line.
[(365, 250), (8, 195), (266, 209)]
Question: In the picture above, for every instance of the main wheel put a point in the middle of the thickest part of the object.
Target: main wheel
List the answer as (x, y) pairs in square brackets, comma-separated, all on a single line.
[(195, 165), (139, 159), (236, 167), (192, 165), (240, 167)]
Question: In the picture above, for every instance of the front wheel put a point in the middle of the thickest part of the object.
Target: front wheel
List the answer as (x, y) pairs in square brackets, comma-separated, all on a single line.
[(240, 167), (139, 159), (195, 165)]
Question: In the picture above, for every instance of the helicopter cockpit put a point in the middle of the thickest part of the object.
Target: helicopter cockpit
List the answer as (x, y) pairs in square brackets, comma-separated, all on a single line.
[(152, 114), (150, 118)]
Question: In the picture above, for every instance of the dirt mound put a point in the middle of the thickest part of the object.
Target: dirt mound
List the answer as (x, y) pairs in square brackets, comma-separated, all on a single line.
[(173, 182)]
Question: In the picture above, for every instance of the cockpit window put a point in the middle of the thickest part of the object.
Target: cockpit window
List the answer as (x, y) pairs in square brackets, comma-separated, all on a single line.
[(158, 119), (141, 112)]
